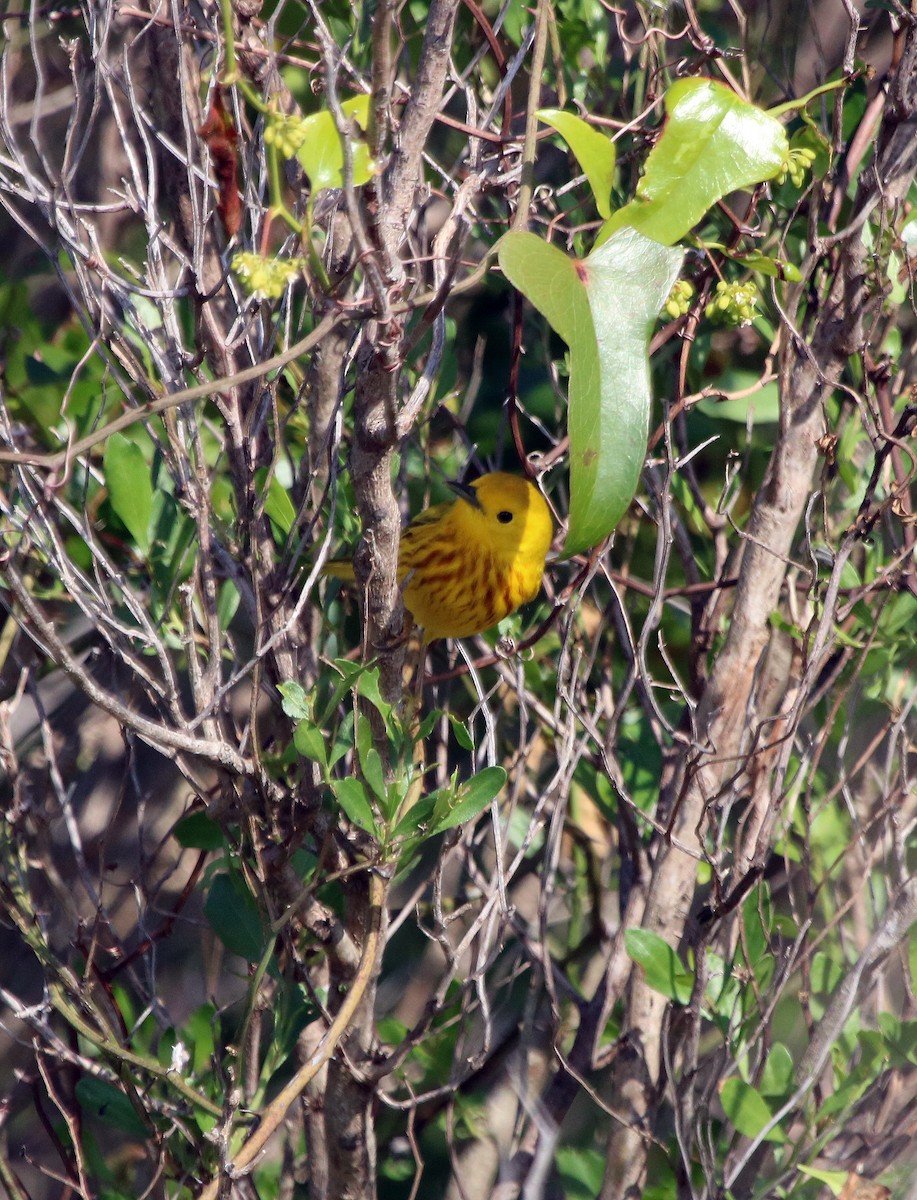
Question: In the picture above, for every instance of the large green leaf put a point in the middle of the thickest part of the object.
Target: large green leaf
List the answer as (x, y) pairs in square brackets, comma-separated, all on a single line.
[(713, 143), (322, 156), (594, 152), (603, 307), (110, 1104), (234, 918), (198, 832), (747, 1110), (130, 488), (665, 971)]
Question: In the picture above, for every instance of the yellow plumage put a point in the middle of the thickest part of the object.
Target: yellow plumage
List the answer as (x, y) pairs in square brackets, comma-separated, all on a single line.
[(468, 563)]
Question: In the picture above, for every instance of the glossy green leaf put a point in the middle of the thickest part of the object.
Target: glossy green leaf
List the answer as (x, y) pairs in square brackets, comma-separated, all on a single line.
[(713, 143), (665, 971), (130, 488), (604, 307), (469, 800), (594, 152), (321, 155), (746, 1109), (627, 281)]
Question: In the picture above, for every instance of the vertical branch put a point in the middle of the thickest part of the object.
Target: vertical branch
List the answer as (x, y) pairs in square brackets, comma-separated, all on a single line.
[(376, 405), (728, 715)]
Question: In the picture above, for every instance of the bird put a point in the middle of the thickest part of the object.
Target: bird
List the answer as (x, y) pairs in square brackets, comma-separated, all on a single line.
[(467, 563)]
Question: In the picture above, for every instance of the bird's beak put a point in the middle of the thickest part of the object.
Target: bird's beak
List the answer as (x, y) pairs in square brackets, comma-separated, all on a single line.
[(466, 491)]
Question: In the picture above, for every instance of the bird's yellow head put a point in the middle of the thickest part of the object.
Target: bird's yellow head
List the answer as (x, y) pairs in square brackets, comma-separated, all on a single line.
[(507, 515)]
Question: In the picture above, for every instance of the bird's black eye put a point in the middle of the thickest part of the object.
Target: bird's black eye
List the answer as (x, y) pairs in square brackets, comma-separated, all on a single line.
[(504, 517)]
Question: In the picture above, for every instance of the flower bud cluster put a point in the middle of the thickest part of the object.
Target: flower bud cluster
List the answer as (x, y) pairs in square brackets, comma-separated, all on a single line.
[(797, 162), (679, 301), (733, 304), (288, 134), (266, 278)]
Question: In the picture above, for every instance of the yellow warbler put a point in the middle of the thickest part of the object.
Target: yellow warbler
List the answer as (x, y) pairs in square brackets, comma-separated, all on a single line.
[(468, 563)]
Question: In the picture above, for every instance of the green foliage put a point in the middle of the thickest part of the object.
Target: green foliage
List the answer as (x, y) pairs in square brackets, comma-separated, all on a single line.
[(747, 1110), (110, 1106), (513, 808), (594, 152), (712, 143), (234, 918), (130, 488), (664, 971), (603, 307)]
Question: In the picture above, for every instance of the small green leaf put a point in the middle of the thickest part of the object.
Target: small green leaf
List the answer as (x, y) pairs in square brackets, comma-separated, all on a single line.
[(227, 603), (310, 742), (277, 504), (581, 1171), (109, 1104), (835, 1180), (368, 688), (364, 738), (198, 832), (130, 488), (39, 373), (425, 728), (594, 152), (470, 799), (295, 700), (746, 1109), (778, 1075), (371, 764), (713, 143), (774, 268), (417, 821), (321, 155), (349, 673), (351, 795), (898, 614), (460, 729), (199, 1030), (233, 917), (665, 971), (826, 973)]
